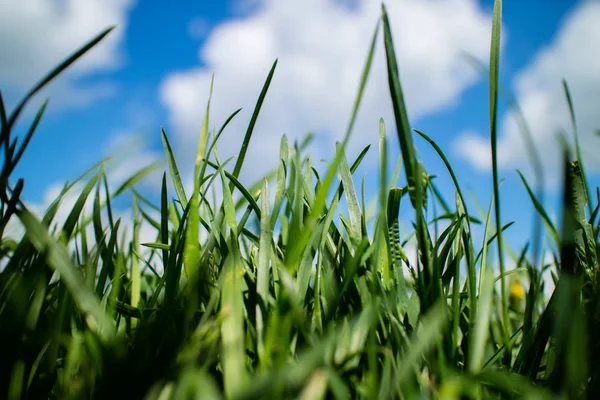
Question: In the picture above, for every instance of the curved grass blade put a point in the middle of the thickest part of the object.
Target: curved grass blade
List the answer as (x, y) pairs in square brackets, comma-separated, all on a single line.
[(532, 153), (237, 184), (449, 168), (135, 262), (71, 220), (232, 325), (175, 175), (540, 209), (413, 168), (59, 260), (262, 272), (53, 74), (576, 136), (493, 88), (433, 324), (242, 154), (403, 127), (281, 178), (136, 178), (34, 125), (351, 199), (480, 333)]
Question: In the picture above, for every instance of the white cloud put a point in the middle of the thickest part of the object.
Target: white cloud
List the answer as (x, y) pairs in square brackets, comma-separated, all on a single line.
[(538, 89), (321, 47), (36, 35)]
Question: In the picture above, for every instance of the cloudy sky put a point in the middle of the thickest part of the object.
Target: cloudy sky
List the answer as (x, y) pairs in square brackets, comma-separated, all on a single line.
[(155, 68)]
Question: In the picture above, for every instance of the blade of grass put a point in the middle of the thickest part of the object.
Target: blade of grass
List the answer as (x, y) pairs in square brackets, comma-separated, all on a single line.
[(576, 136), (135, 263), (192, 251), (262, 272), (480, 333), (232, 326), (244, 148), (141, 174), (493, 88), (413, 169), (350, 192), (34, 125), (49, 77), (540, 209), (175, 175), (58, 259)]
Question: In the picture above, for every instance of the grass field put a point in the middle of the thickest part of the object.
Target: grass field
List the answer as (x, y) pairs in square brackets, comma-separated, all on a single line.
[(267, 296)]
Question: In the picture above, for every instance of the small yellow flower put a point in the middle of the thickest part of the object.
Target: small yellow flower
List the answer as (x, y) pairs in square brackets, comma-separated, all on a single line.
[(517, 290)]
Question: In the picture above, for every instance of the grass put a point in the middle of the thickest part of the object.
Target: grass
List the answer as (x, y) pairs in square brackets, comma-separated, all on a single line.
[(275, 300)]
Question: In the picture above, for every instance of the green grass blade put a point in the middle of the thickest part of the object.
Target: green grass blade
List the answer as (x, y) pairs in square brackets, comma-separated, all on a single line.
[(403, 127), (540, 209), (350, 192), (232, 325), (244, 148), (71, 220), (164, 217), (28, 137), (576, 136), (228, 205), (58, 259), (135, 262), (53, 74), (132, 180), (281, 178), (433, 324), (363, 83), (383, 167), (413, 169), (174, 171), (238, 185), (192, 251), (448, 167), (479, 336), (493, 88), (96, 216), (262, 272)]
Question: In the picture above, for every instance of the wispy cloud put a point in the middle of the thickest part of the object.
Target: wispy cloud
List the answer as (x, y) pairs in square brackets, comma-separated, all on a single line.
[(36, 35), (538, 88), (321, 47)]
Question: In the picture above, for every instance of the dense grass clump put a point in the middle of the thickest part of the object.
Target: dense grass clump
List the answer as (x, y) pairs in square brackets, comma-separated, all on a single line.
[(219, 305)]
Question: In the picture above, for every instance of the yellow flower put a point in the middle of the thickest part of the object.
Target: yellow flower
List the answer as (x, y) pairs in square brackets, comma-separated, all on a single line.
[(517, 290)]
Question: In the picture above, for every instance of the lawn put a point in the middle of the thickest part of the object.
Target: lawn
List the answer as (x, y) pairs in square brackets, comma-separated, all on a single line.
[(278, 291)]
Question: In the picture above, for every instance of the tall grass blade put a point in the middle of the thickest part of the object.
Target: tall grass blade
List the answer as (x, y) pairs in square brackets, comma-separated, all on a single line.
[(232, 325), (350, 192), (48, 78), (192, 251), (244, 148), (58, 259), (494, 70), (576, 136), (175, 175)]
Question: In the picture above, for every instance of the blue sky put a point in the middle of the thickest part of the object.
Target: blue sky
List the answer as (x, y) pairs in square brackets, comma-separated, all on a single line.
[(154, 70)]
